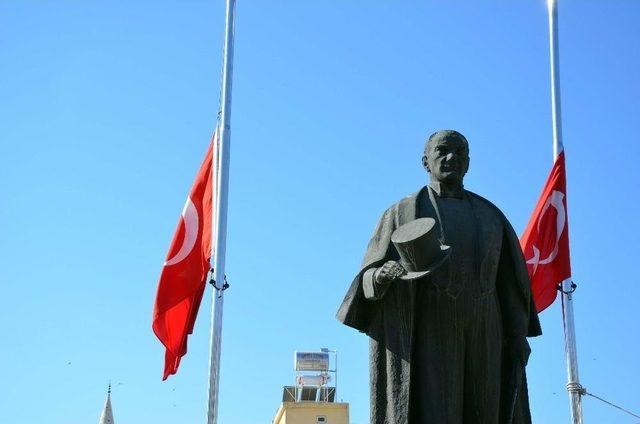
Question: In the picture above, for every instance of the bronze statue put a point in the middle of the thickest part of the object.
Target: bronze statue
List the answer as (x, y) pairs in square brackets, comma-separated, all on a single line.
[(447, 347)]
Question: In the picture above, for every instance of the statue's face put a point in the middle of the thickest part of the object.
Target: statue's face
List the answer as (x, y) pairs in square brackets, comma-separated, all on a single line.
[(447, 159)]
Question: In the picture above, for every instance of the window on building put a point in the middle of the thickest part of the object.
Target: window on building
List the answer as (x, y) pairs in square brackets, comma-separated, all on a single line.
[(321, 419)]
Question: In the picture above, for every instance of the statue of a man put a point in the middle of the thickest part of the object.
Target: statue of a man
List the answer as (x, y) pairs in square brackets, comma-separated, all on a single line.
[(449, 347)]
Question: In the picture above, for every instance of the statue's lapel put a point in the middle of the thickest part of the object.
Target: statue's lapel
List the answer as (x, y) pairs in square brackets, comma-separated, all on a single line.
[(422, 208), (409, 209)]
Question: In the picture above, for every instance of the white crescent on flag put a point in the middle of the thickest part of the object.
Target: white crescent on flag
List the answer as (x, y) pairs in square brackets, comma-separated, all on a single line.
[(555, 200), (191, 225)]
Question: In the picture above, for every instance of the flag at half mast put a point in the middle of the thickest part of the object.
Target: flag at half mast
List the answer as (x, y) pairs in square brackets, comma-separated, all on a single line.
[(184, 273), (545, 241)]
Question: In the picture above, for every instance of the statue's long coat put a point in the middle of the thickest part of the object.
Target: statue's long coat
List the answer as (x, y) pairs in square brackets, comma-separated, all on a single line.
[(389, 321)]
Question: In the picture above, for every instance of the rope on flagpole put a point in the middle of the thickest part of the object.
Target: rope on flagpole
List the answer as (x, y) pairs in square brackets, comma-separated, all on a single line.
[(213, 282), (582, 391), (573, 288), (585, 392)]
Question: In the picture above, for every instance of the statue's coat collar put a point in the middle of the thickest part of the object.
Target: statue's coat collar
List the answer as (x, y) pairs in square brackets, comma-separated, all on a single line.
[(447, 190)]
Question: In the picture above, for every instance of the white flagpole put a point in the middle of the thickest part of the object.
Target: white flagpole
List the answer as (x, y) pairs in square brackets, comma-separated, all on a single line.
[(218, 248), (573, 384)]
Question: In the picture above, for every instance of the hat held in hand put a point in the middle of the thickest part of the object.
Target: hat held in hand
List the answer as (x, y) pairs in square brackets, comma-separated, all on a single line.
[(419, 248)]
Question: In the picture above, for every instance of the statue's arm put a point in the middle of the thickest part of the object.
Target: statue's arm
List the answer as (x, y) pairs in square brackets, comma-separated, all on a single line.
[(373, 290), (376, 278), (514, 303), (357, 310)]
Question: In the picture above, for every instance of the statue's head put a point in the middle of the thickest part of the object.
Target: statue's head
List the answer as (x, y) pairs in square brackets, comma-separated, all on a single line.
[(446, 156)]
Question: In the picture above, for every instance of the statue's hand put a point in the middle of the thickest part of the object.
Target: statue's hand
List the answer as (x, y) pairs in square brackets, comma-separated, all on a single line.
[(519, 348), (388, 272)]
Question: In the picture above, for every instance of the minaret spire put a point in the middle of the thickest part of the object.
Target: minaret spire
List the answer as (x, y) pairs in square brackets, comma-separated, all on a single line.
[(107, 414)]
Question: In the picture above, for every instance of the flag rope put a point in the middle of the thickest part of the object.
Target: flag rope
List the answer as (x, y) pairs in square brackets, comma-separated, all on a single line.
[(585, 392), (214, 283), (574, 286), (582, 391)]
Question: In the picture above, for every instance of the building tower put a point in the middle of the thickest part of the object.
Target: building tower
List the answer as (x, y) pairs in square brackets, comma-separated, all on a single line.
[(312, 400), (107, 414)]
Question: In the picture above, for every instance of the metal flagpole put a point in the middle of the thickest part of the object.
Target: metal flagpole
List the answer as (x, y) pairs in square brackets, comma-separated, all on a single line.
[(218, 249), (573, 385)]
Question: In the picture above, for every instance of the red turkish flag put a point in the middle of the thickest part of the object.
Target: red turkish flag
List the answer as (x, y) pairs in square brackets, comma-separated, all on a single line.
[(184, 273), (545, 241)]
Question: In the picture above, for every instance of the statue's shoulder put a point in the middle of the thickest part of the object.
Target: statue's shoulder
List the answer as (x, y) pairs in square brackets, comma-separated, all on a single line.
[(487, 204), (409, 200), (405, 202)]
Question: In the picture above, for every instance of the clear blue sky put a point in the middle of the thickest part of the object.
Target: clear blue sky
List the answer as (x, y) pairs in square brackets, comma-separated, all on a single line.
[(106, 109)]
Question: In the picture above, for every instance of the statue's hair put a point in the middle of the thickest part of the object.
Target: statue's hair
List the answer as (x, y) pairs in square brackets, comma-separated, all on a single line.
[(444, 134)]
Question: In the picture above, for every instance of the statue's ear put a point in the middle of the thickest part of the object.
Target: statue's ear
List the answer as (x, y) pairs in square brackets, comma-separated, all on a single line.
[(425, 163)]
